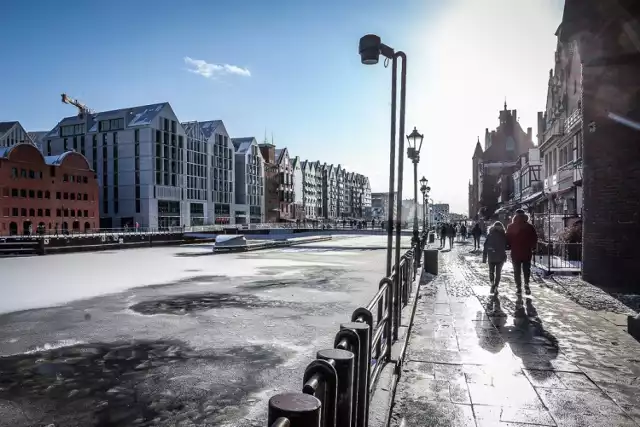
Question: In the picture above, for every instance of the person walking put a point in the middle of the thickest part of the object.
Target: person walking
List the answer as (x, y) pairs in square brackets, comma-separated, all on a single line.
[(476, 232), (443, 235), (495, 251), (522, 239), (451, 234)]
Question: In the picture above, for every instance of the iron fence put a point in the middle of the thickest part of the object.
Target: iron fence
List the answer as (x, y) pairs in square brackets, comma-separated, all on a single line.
[(338, 384), (558, 257)]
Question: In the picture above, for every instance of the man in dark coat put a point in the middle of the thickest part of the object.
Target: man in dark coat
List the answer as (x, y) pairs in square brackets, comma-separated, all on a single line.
[(522, 239)]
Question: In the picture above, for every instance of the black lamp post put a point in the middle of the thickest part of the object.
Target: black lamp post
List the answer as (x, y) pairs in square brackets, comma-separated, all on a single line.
[(425, 210), (370, 49), (413, 152)]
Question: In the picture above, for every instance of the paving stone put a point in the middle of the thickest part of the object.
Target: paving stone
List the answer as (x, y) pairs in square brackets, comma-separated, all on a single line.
[(554, 358)]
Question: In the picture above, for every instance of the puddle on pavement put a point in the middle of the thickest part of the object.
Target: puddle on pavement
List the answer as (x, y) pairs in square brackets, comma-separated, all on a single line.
[(131, 384), (183, 304)]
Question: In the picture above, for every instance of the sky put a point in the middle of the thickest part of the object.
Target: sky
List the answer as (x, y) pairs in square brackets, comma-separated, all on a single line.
[(290, 69)]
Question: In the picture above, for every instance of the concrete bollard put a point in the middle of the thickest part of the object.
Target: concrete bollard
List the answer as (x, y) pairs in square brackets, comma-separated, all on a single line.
[(364, 366), (431, 261), (300, 409), (343, 362)]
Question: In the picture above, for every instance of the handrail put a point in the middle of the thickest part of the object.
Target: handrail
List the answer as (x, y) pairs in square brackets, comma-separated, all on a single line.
[(338, 384)]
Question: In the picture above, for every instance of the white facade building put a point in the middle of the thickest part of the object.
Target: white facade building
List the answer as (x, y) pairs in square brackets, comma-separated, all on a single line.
[(152, 170), (298, 192), (249, 181), (138, 155)]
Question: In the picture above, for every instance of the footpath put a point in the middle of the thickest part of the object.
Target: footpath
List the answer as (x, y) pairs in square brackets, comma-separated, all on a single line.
[(565, 359)]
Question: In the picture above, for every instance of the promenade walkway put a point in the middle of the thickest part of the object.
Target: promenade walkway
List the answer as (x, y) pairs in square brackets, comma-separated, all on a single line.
[(565, 359)]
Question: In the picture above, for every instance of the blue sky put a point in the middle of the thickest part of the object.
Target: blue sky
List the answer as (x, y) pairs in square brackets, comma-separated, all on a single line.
[(293, 69)]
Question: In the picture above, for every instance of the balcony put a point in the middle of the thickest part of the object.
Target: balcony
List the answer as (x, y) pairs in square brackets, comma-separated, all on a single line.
[(573, 121), (555, 130)]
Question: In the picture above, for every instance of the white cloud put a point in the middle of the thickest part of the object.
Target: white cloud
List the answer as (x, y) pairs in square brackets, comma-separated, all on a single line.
[(211, 71)]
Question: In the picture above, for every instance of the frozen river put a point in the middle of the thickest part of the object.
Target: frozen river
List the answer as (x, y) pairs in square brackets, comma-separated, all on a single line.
[(172, 336)]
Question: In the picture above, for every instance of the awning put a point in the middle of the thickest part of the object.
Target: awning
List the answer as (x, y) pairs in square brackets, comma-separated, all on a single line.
[(532, 197)]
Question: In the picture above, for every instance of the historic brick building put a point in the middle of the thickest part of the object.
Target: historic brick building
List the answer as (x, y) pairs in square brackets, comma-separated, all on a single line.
[(502, 148), (606, 33), (45, 194)]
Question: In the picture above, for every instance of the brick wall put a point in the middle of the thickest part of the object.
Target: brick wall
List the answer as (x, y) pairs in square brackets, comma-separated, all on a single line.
[(611, 177)]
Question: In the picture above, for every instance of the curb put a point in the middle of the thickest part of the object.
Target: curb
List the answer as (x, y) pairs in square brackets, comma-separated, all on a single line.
[(382, 399)]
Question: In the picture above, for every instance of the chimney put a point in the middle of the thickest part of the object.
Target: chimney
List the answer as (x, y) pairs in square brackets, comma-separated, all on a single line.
[(530, 134), (514, 114)]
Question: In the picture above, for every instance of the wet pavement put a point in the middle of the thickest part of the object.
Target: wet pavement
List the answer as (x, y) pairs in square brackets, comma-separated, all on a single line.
[(561, 357), (151, 337)]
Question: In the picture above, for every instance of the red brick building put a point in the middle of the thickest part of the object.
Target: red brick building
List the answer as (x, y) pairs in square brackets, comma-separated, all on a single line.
[(45, 194), (502, 148), (606, 34)]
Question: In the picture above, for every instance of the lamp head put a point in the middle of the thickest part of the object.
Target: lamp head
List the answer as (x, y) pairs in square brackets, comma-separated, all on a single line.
[(369, 49)]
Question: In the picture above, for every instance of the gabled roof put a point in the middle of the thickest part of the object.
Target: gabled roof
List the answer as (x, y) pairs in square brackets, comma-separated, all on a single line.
[(296, 161), (242, 145), (134, 116), (209, 127), (6, 127), (280, 154)]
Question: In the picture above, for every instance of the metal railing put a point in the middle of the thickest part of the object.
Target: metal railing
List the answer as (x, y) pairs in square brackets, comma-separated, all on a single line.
[(558, 257), (338, 384)]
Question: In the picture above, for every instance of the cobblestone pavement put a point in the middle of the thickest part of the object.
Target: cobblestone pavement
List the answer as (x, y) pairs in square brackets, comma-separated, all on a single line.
[(550, 359)]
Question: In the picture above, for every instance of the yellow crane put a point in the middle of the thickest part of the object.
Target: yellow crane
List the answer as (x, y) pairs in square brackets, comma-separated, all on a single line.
[(82, 108)]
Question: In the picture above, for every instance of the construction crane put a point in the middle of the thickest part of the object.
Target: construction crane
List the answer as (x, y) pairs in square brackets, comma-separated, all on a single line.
[(82, 109)]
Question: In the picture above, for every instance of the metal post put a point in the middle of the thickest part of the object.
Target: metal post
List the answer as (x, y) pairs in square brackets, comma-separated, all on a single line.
[(392, 163), (403, 98), (415, 198), (364, 366), (343, 363), (300, 409)]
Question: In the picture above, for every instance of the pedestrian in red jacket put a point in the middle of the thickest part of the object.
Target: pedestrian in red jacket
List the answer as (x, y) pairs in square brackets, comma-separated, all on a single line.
[(522, 239)]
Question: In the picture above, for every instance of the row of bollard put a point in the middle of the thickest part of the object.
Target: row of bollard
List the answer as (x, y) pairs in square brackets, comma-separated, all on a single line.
[(337, 385)]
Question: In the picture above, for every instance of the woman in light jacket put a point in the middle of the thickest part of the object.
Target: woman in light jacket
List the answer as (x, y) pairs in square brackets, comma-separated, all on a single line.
[(495, 251)]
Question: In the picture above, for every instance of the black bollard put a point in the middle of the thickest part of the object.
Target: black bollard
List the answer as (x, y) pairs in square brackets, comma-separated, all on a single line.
[(364, 366), (343, 363), (300, 409)]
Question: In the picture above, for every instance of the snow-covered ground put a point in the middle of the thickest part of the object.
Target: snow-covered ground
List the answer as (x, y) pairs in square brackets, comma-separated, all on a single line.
[(225, 331)]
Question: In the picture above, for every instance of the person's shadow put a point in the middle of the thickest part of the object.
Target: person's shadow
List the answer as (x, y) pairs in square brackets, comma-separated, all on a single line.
[(526, 336), (530, 341)]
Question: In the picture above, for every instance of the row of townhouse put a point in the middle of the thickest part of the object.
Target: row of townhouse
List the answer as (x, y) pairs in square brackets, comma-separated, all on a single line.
[(585, 164), (333, 193), (155, 171)]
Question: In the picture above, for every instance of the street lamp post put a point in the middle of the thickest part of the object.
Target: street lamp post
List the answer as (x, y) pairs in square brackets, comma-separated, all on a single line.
[(413, 152), (425, 208), (370, 49)]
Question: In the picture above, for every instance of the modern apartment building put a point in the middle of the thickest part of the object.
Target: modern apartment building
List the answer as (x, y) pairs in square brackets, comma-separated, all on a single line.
[(210, 167), (138, 156), (151, 169), (249, 182)]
